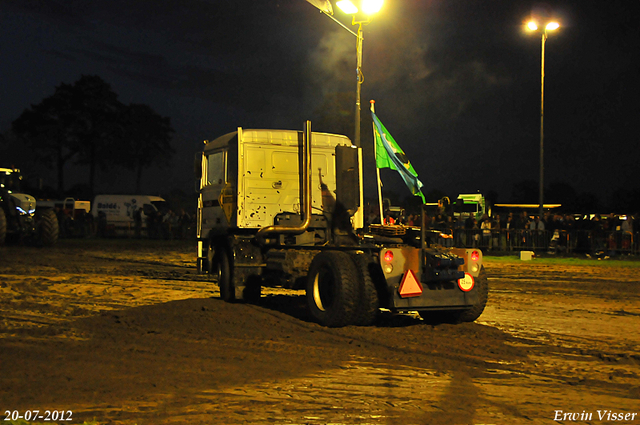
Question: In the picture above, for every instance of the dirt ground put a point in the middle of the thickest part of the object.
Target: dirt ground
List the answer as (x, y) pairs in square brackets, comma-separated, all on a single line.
[(126, 332)]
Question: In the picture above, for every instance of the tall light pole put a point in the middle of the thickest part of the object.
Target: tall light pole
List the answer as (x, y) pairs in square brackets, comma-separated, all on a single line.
[(368, 8), (550, 26)]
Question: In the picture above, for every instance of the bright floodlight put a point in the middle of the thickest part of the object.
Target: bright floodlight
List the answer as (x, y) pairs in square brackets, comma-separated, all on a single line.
[(552, 26), (532, 25), (371, 6), (347, 7)]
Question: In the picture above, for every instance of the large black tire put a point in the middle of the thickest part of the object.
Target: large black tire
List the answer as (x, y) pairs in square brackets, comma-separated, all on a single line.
[(48, 228), (467, 315), (482, 286), (3, 227), (332, 287), (367, 303), (222, 271)]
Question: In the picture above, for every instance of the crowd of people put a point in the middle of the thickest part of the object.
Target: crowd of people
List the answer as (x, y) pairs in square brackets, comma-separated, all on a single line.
[(508, 231), (553, 232), (166, 225)]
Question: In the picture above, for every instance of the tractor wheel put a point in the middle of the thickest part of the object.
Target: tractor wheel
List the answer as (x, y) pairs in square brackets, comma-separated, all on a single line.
[(48, 229), (368, 304), (482, 286), (332, 288), (222, 271), (3, 227)]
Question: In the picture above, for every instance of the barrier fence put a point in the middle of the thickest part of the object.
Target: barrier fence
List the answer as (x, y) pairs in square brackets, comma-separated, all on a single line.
[(553, 242)]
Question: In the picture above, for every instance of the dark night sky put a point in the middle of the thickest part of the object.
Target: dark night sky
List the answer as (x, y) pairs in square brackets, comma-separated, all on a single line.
[(456, 82)]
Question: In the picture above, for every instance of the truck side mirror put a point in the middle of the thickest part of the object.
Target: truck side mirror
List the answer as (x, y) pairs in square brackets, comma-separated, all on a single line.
[(197, 169)]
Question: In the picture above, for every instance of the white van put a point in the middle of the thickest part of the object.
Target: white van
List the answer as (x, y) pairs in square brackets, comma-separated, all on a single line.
[(119, 210)]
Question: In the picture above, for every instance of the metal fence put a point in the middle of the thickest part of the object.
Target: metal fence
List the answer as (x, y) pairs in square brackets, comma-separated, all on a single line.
[(553, 242)]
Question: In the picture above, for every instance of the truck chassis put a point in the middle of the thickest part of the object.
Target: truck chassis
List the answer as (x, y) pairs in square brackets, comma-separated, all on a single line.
[(348, 276)]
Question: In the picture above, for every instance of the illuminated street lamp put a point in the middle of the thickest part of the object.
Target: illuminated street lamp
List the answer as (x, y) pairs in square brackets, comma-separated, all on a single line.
[(534, 26), (368, 8)]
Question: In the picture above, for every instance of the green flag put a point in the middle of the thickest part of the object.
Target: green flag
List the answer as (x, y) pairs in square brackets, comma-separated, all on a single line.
[(390, 155)]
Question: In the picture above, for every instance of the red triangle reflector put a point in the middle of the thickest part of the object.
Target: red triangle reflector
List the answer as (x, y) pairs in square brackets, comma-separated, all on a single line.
[(410, 287)]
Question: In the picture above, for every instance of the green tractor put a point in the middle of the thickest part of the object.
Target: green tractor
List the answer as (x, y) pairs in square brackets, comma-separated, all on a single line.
[(19, 220)]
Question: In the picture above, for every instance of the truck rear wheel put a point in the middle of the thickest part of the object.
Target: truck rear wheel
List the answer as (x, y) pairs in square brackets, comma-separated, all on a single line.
[(332, 288), (367, 305), (48, 228), (222, 271), (467, 315), (482, 285)]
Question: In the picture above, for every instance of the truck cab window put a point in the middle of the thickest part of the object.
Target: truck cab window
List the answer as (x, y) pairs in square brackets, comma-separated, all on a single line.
[(215, 169)]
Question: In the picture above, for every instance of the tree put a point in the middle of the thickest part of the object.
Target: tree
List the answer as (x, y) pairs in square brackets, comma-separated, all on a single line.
[(85, 122), (14, 153), (146, 140), (98, 125), (78, 121), (45, 128)]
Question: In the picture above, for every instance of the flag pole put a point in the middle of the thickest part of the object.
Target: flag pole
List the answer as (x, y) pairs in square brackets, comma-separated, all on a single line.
[(375, 159)]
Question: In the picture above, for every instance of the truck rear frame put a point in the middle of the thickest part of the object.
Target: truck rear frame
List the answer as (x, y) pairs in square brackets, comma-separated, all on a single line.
[(265, 220)]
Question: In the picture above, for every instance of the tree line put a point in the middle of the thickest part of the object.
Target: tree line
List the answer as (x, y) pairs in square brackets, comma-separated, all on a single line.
[(84, 123)]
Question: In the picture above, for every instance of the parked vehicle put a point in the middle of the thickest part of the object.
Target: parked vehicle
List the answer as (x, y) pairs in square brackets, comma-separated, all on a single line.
[(471, 204), (73, 216), (117, 214), (20, 221)]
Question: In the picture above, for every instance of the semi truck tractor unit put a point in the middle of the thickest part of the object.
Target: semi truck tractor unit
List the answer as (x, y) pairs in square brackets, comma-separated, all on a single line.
[(283, 208), (20, 221)]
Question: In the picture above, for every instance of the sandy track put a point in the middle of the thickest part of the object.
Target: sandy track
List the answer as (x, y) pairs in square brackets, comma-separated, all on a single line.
[(127, 332)]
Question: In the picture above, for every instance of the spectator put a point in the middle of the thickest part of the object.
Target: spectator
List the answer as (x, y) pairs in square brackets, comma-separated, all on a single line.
[(626, 229), (389, 219), (458, 232), (468, 231), (568, 232), (485, 226), (475, 230), (102, 224), (137, 222), (509, 229), (496, 226), (522, 224), (536, 230), (153, 220), (597, 235), (448, 230), (184, 223)]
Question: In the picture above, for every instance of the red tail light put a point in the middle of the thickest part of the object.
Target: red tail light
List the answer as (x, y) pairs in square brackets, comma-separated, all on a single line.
[(388, 256), (475, 256)]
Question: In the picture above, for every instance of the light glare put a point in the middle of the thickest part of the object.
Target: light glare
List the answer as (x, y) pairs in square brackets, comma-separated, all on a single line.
[(552, 26), (347, 7), (371, 6), (532, 26)]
